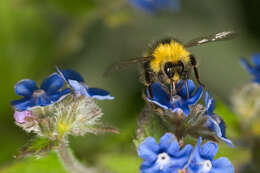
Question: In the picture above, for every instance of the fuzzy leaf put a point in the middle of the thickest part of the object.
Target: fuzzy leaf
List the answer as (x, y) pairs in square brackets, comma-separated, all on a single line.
[(38, 146), (149, 124)]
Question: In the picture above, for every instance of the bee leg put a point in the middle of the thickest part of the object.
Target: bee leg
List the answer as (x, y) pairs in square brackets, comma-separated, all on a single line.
[(195, 69), (148, 78), (197, 76)]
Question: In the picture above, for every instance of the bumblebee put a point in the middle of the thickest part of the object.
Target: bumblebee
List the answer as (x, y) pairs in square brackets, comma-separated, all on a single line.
[(168, 60)]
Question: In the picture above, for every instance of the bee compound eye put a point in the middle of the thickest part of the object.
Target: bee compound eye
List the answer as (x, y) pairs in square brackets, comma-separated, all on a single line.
[(169, 69), (180, 66)]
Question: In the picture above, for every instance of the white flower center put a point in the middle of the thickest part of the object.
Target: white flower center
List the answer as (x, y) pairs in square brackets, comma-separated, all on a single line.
[(163, 159), (205, 166)]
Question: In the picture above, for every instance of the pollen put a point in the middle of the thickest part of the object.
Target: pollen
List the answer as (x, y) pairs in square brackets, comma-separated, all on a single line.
[(172, 52)]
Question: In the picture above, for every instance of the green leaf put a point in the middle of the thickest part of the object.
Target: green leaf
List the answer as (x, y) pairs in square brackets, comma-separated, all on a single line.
[(37, 146), (48, 164)]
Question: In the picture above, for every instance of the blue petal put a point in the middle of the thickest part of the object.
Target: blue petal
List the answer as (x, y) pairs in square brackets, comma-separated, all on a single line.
[(183, 91), (166, 141), (195, 98), (257, 80), (222, 165), (42, 100), (72, 75), (180, 159), (174, 168), (210, 103), (99, 94), (186, 151), (173, 148), (160, 96), (218, 128), (79, 88), (148, 149), (222, 127), (25, 88), (23, 104), (196, 152), (59, 95), (249, 68), (146, 165), (52, 83), (227, 141), (207, 98), (152, 168), (209, 150), (155, 5), (256, 60)]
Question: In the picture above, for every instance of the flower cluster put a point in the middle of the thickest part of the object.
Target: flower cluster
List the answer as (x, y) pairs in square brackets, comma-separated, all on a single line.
[(180, 102), (169, 157), (48, 93), (185, 104), (62, 105), (246, 99)]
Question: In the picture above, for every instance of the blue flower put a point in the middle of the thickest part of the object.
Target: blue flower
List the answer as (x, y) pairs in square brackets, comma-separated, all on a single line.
[(165, 157), (215, 122), (155, 5), (255, 69), (180, 102), (48, 93), (201, 160), (76, 82)]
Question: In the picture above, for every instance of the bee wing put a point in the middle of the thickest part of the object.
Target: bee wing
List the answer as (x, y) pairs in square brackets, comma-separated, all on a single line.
[(211, 38), (123, 64)]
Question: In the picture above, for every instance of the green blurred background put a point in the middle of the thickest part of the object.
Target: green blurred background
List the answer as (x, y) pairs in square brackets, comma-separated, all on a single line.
[(87, 36)]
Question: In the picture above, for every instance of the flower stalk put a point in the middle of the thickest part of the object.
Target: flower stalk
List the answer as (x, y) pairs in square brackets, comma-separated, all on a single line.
[(69, 161)]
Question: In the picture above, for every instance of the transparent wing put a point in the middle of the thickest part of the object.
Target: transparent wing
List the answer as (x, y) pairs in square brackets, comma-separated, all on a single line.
[(123, 64), (211, 38)]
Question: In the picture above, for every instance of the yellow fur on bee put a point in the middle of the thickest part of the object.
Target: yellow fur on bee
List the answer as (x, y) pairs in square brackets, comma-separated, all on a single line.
[(172, 52)]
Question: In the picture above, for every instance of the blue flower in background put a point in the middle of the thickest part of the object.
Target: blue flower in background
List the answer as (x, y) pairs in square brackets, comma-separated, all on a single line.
[(180, 102), (155, 5), (201, 160), (254, 69), (75, 80), (48, 93), (165, 157), (214, 121)]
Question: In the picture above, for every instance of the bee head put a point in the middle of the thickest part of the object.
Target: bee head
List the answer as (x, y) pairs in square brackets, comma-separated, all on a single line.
[(173, 70)]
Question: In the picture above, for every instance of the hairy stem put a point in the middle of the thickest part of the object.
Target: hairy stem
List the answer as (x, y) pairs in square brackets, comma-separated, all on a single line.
[(69, 161)]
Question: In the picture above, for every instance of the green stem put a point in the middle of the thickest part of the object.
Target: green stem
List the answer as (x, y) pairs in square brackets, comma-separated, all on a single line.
[(69, 160)]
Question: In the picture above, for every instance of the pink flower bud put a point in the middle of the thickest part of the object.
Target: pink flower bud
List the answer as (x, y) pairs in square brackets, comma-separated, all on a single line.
[(20, 117)]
